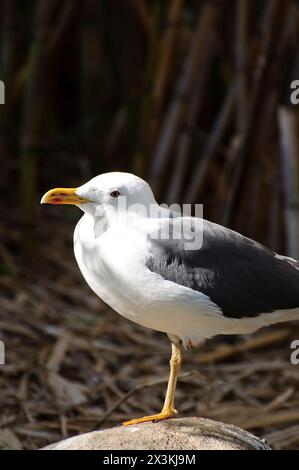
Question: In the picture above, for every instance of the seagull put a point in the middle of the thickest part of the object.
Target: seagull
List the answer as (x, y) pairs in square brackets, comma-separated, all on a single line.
[(185, 276)]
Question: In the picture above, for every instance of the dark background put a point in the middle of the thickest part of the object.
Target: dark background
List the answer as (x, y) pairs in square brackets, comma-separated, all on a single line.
[(194, 96)]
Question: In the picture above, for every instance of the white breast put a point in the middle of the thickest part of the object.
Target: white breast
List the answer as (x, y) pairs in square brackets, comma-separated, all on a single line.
[(113, 265), (110, 265)]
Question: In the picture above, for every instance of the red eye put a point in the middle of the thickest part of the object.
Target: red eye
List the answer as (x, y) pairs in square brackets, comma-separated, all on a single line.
[(115, 193)]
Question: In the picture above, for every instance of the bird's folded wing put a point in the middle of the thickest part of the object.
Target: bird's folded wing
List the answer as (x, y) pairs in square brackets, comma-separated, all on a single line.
[(241, 276)]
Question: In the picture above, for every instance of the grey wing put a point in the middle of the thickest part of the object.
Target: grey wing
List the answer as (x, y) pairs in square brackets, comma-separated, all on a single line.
[(240, 275)]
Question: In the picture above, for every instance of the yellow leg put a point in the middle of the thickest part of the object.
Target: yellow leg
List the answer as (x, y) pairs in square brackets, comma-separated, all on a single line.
[(168, 409)]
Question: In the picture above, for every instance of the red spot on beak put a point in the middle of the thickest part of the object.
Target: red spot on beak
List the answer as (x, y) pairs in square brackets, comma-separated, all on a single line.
[(56, 200)]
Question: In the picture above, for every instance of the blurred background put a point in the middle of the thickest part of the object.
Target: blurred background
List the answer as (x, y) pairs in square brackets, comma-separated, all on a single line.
[(194, 96)]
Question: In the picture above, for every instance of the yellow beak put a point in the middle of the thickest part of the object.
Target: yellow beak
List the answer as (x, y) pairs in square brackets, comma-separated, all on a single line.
[(62, 196)]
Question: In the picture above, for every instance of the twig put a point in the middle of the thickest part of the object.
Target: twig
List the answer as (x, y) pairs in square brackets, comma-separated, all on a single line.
[(134, 390), (261, 341)]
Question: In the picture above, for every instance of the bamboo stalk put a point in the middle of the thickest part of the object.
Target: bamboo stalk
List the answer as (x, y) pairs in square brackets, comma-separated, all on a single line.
[(66, 15), (37, 122), (175, 114), (251, 215), (7, 69), (274, 22), (273, 233), (166, 59), (254, 214), (289, 143), (225, 176), (243, 7), (148, 106), (186, 137), (167, 50), (221, 123), (90, 60), (144, 13)]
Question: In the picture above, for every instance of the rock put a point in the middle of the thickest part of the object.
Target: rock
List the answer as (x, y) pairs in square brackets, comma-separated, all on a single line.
[(173, 434)]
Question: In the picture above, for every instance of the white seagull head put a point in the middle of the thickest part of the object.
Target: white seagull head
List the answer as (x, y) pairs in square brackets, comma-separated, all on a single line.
[(110, 194)]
